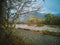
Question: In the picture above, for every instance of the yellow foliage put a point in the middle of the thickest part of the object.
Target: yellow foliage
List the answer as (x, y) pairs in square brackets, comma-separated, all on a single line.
[(35, 21)]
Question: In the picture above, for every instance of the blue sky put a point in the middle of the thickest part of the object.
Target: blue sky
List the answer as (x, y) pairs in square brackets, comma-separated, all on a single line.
[(52, 6)]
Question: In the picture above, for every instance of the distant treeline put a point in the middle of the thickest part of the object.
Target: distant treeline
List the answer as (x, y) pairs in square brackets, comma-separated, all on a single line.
[(51, 19)]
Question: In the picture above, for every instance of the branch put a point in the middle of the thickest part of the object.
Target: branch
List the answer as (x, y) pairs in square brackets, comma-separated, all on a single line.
[(29, 11), (19, 9), (16, 15)]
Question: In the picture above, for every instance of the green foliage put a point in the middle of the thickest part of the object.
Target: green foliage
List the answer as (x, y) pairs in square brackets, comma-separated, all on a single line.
[(51, 19)]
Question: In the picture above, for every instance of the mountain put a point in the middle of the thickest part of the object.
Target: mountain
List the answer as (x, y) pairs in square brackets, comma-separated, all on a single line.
[(40, 15)]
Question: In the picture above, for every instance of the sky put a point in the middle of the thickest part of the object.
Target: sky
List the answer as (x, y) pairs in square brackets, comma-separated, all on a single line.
[(52, 6)]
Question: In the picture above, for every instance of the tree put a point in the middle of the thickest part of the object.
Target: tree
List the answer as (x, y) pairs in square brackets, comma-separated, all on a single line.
[(35, 21), (8, 19), (2, 13), (10, 10), (21, 7), (51, 19), (18, 7)]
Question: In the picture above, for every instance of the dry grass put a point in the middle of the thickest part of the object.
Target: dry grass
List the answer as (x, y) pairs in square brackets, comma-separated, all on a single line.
[(14, 39), (46, 32)]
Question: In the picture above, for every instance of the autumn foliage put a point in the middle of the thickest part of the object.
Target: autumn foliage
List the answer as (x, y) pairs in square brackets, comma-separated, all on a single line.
[(35, 21)]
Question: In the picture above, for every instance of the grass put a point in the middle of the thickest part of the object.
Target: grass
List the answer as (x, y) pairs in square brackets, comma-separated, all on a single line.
[(13, 39), (46, 32)]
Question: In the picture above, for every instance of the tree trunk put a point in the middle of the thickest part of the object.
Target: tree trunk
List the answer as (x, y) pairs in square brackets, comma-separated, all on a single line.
[(3, 22), (2, 14)]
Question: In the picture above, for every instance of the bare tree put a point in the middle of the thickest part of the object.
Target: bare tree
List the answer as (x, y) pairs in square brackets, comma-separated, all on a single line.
[(18, 7), (21, 7)]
